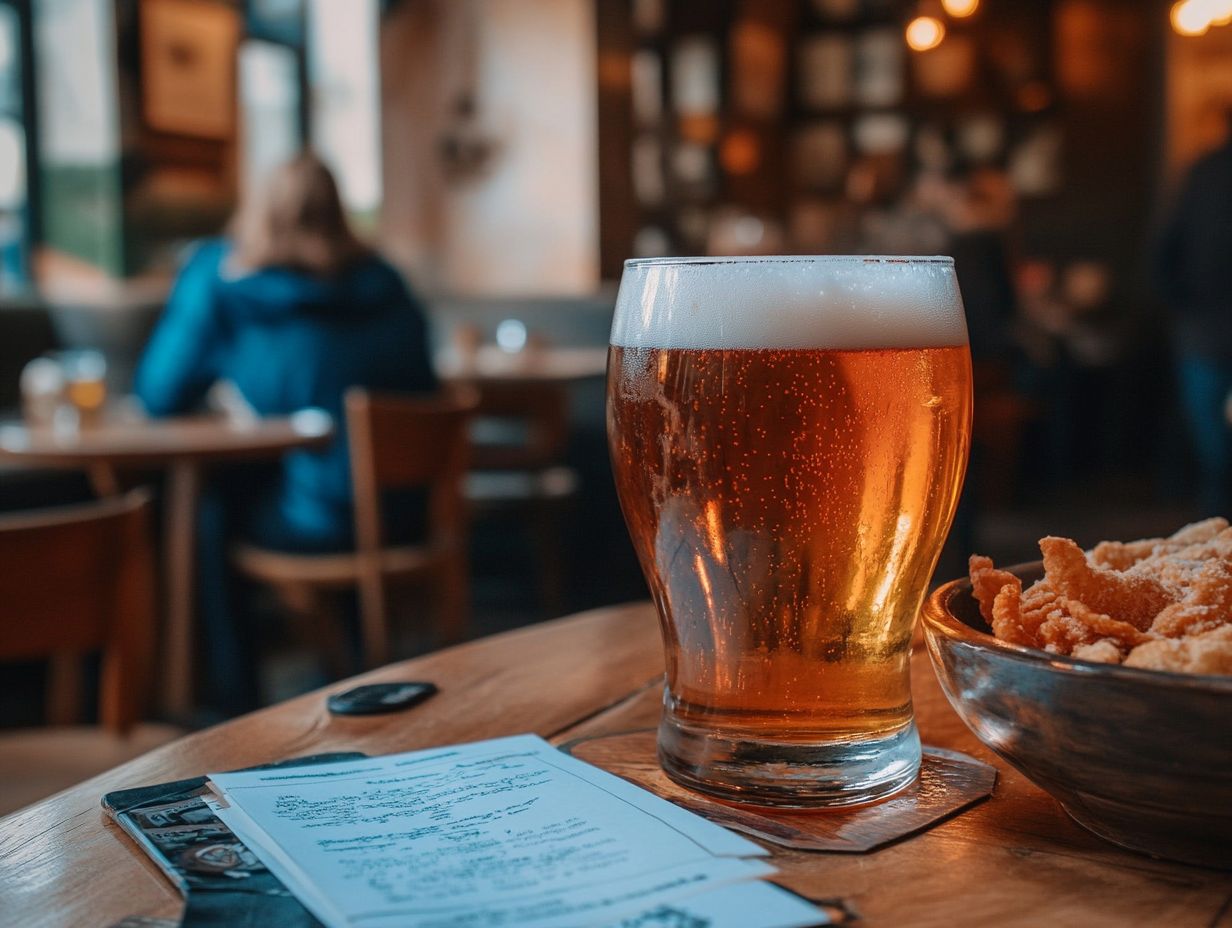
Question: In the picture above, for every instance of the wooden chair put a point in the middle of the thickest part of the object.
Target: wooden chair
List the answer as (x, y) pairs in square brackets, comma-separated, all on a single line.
[(395, 443), (524, 473), (76, 580)]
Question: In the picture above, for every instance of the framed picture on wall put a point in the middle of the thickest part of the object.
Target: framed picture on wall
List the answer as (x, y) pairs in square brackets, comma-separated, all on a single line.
[(188, 52)]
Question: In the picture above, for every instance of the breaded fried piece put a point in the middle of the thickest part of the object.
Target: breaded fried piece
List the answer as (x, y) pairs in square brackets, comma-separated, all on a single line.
[(1121, 555), (1006, 618), (1070, 624), (987, 581), (1040, 603), (1060, 633), (1014, 616), (1181, 620), (1132, 598), (1180, 566), (1081, 626), (1207, 603), (1210, 652), (1104, 651), (1196, 532)]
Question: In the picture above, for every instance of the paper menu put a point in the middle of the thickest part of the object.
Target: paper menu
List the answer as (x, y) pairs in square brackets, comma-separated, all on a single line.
[(752, 904), (505, 832)]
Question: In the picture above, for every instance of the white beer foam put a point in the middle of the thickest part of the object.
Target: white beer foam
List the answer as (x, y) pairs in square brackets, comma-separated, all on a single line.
[(823, 302)]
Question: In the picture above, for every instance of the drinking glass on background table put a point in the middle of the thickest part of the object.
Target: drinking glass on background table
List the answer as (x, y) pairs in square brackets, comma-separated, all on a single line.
[(465, 341), (85, 383), (42, 389), (65, 389), (789, 437)]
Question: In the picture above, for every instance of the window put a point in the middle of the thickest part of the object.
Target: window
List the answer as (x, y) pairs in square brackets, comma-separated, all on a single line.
[(14, 181), (345, 123), (269, 108)]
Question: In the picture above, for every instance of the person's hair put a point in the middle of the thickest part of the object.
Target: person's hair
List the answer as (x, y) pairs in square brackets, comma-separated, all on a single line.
[(295, 222)]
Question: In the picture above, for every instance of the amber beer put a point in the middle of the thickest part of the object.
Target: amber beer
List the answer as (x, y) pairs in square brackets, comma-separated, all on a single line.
[(789, 441)]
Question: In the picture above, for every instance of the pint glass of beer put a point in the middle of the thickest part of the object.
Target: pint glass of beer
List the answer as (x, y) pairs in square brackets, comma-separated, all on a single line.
[(789, 437)]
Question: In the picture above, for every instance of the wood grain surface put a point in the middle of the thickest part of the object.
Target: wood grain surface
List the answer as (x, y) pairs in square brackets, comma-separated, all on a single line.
[(1015, 859), (156, 442)]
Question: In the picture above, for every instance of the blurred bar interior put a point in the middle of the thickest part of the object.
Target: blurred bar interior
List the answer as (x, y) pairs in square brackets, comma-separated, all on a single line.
[(507, 155)]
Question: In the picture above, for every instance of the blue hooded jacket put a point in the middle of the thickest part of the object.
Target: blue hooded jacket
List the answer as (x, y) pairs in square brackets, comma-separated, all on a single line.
[(289, 341)]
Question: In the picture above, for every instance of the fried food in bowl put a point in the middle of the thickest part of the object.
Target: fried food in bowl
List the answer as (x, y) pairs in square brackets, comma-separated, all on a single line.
[(1158, 603), (1102, 676)]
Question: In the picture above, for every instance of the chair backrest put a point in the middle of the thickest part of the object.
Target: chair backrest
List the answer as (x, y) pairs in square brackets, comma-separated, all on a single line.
[(537, 414), (78, 579), (403, 442)]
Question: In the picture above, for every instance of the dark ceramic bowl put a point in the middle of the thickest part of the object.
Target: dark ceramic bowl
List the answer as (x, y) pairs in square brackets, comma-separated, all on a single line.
[(1142, 758)]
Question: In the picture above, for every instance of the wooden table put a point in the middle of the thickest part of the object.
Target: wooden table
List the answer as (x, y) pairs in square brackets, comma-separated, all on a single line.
[(1015, 859), (182, 447)]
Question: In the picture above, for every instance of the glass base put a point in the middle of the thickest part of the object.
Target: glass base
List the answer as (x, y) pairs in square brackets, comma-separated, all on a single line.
[(789, 774)]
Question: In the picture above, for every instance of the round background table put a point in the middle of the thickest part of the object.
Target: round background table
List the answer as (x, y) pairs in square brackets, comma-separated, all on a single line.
[(181, 447), (491, 365)]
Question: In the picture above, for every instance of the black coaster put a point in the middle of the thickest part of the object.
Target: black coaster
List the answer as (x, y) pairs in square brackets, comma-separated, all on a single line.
[(949, 782)]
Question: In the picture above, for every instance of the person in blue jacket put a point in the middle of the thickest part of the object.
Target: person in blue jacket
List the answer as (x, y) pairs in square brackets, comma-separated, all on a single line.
[(1193, 269), (292, 310)]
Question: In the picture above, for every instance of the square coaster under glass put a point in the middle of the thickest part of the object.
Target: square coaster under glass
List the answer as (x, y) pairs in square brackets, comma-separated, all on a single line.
[(949, 783)]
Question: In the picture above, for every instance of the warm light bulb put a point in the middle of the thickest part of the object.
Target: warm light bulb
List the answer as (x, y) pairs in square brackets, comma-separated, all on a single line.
[(960, 8), (1190, 18), (925, 32), (1221, 12), (1208, 11)]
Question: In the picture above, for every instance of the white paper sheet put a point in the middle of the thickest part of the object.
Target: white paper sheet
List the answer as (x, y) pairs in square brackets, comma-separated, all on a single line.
[(506, 832), (741, 905)]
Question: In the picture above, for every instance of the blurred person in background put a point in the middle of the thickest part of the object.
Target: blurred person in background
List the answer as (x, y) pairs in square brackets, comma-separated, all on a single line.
[(11, 257), (290, 310), (1194, 271)]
